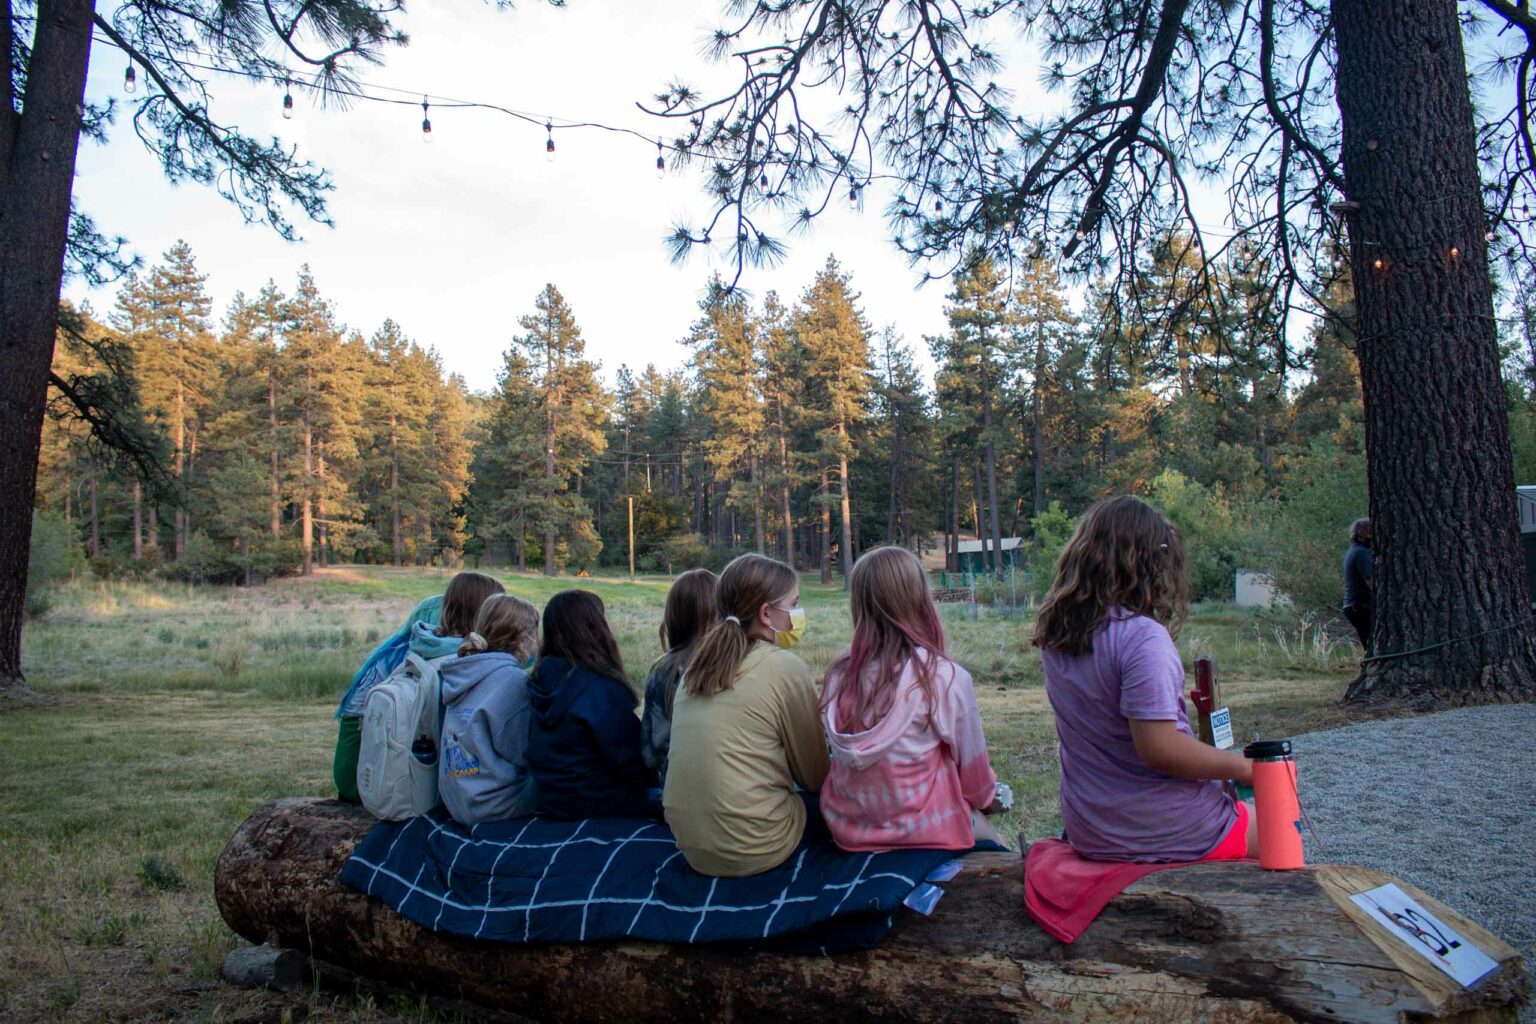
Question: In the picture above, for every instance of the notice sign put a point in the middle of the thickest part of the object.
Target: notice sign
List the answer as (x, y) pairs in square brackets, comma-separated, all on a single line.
[(1425, 934), (1221, 728)]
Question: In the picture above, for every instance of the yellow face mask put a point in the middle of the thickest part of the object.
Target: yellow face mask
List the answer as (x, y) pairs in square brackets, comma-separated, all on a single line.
[(787, 638)]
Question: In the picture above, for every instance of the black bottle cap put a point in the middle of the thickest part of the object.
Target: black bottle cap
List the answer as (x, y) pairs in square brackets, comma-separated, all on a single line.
[(1261, 750)]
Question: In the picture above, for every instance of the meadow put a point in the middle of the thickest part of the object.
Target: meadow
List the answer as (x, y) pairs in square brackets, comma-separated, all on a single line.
[(168, 712)]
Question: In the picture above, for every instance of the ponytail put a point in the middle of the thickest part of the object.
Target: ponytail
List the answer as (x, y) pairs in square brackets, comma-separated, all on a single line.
[(748, 583), (716, 659)]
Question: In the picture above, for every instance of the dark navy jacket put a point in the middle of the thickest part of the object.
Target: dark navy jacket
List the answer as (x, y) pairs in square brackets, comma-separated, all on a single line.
[(584, 744)]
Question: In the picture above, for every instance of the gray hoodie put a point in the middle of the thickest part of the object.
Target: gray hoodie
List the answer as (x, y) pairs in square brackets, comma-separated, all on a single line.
[(482, 774)]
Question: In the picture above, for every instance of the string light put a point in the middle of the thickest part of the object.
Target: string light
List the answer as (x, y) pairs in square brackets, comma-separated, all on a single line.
[(661, 161), (549, 141), (853, 196), (1455, 252), (130, 80), (426, 123), (1008, 226), (762, 182), (1488, 235), (287, 103), (1379, 263)]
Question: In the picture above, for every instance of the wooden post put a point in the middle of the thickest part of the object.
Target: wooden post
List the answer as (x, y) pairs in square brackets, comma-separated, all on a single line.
[(631, 536), (1206, 697)]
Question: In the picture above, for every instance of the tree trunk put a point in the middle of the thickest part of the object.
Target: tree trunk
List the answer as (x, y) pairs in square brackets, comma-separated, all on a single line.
[(1211, 942), (952, 552), (989, 453), (978, 510), (397, 538), (306, 513), (276, 475), (1037, 419), (757, 502), (179, 467), (845, 554), (325, 531), (95, 520), (789, 518), (37, 170), (138, 521), (1451, 610), (826, 528)]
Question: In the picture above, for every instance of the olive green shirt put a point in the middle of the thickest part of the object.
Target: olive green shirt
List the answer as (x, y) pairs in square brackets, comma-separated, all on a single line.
[(735, 760)]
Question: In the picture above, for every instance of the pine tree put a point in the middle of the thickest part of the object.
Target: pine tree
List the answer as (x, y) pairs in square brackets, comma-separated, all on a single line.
[(1044, 326), (725, 363), (832, 331)]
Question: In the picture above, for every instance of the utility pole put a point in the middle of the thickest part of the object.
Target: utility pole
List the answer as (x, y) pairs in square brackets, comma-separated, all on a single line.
[(631, 538)]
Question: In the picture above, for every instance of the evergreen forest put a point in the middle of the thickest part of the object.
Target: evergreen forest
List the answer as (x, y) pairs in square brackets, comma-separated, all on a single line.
[(280, 439)]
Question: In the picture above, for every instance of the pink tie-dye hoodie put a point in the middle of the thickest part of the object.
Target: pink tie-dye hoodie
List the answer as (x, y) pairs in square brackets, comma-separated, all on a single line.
[(912, 779)]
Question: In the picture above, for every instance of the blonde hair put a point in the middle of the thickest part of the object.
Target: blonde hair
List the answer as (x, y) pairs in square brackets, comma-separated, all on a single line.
[(748, 583), (894, 618), (505, 624), (1125, 555)]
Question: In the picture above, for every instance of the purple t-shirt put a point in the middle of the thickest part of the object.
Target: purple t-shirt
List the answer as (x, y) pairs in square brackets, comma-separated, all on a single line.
[(1113, 805)]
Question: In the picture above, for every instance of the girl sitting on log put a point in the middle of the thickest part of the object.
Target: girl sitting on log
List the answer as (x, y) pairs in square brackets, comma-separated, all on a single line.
[(1136, 785), (584, 742), (745, 733), (434, 630), (689, 612), (909, 759), (483, 772)]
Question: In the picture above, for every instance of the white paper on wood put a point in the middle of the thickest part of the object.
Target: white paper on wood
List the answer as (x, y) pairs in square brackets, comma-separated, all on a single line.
[(1425, 934), (1221, 728)]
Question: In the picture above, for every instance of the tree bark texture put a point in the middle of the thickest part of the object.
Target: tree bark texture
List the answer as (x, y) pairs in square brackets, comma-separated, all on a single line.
[(845, 545), (37, 161), (826, 530), (1449, 574), (1214, 942)]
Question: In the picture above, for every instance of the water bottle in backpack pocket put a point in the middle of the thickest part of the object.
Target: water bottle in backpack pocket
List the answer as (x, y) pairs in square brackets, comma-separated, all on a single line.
[(397, 765)]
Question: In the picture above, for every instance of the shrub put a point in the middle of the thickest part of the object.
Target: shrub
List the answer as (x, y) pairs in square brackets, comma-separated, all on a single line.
[(1049, 533), (1220, 532), (1310, 529), (684, 551), (55, 553)]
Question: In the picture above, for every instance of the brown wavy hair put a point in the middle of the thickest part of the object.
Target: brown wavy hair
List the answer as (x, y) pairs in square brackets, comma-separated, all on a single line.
[(1123, 555), (462, 599), (748, 583)]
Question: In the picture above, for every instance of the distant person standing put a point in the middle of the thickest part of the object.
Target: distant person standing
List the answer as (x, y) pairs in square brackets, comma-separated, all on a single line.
[(1357, 581)]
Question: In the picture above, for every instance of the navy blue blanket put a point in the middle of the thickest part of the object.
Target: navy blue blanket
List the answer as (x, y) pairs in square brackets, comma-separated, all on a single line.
[(540, 880)]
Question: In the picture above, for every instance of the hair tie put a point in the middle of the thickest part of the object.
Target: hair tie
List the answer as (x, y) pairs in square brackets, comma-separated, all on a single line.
[(732, 618), (477, 641)]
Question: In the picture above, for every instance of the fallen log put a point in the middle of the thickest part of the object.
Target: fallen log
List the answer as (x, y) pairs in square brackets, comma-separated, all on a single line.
[(1217, 942)]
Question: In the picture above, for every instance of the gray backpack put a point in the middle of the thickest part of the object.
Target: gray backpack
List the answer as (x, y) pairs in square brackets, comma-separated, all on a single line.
[(402, 726)]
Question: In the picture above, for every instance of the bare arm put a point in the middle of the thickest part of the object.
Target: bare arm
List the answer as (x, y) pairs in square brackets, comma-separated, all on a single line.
[(1163, 748)]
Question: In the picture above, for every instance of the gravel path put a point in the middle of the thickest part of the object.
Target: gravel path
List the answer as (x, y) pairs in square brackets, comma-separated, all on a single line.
[(1447, 802)]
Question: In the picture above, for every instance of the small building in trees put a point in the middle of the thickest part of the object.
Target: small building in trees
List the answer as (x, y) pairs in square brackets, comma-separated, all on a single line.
[(972, 554)]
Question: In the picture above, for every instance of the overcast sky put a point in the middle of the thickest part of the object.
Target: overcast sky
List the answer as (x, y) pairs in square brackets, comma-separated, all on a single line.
[(454, 239)]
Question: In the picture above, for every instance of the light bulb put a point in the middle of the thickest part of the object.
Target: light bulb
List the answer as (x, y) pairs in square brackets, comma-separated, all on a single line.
[(1379, 263), (426, 124), (1488, 235), (287, 106), (1455, 252), (853, 197), (661, 162), (762, 182), (130, 80), (549, 142), (1008, 227)]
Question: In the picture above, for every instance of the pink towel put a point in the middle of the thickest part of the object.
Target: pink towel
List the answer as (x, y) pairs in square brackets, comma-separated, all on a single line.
[(1064, 892)]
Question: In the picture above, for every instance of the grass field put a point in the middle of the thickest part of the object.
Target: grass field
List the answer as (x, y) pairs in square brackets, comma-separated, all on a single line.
[(172, 711)]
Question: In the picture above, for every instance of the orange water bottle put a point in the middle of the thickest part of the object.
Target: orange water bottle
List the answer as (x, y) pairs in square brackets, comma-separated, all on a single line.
[(1277, 802)]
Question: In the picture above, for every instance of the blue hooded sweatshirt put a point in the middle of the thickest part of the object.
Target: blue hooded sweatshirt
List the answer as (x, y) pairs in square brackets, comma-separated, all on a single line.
[(483, 772), (584, 744)]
